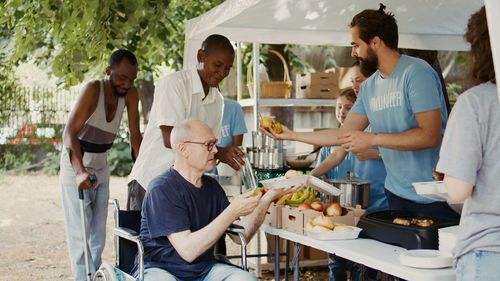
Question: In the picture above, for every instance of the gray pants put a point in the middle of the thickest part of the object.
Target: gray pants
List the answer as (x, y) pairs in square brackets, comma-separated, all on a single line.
[(135, 197)]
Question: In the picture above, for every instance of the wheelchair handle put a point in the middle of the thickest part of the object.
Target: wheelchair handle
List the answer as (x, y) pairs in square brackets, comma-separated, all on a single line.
[(235, 229)]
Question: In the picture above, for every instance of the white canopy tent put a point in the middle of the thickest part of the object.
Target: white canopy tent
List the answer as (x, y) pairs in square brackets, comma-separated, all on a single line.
[(423, 24)]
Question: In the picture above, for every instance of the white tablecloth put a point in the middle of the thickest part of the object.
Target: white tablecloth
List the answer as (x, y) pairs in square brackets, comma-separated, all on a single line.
[(369, 252)]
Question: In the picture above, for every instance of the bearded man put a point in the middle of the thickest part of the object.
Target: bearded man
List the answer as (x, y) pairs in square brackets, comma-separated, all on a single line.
[(403, 103), (90, 131)]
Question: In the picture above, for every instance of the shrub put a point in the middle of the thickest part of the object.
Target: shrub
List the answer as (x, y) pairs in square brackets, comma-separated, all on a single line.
[(120, 159)]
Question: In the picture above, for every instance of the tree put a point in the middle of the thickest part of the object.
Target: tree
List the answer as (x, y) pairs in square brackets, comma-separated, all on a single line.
[(72, 39)]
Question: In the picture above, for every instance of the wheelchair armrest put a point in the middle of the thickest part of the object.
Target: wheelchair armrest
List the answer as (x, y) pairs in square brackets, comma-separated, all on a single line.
[(235, 229), (131, 235), (239, 230), (126, 233)]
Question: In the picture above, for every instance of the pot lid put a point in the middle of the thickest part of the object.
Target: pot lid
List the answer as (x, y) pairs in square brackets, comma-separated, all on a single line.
[(355, 181), (350, 179)]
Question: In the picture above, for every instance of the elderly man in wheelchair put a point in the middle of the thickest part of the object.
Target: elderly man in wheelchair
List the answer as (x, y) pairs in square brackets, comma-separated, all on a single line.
[(185, 213)]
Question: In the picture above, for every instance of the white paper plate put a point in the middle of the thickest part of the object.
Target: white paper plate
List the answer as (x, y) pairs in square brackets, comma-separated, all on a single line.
[(435, 190), (281, 182), (314, 182), (334, 235), (425, 259), (432, 189)]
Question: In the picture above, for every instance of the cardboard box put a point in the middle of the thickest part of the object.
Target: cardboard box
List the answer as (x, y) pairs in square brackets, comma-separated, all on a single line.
[(358, 212), (294, 220), (347, 217), (314, 254), (317, 92), (317, 78), (317, 85), (273, 216)]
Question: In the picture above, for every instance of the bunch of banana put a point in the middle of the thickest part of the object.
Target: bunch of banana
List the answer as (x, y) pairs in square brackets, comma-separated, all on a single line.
[(305, 195)]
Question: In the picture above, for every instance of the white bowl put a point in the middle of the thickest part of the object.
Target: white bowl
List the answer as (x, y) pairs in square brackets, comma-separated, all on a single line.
[(295, 163)]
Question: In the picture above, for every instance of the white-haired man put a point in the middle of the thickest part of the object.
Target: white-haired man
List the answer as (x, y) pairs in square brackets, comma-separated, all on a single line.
[(185, 212)]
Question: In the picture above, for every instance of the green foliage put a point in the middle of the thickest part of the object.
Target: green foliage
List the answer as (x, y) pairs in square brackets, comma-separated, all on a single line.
[(8, 82), (119, 159), (453, 89), (11, 160), (13, 157), (52, 164), (74, 38)]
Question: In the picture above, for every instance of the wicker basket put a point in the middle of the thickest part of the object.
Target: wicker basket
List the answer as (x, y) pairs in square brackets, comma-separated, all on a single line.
[(271, 89)]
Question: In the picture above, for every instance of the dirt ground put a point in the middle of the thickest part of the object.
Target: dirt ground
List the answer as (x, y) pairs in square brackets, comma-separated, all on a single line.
[(32, 237)]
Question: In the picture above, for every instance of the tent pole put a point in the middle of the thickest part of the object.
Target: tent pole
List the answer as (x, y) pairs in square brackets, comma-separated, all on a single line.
[(239, 93), (493, 16), (256, 88)]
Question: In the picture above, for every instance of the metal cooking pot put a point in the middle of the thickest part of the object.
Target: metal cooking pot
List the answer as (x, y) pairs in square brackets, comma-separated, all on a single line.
[(355, 191)]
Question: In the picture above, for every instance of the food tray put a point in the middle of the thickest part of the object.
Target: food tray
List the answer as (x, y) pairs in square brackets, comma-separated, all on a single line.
[(379, 226), (314, 182), (334, 235)]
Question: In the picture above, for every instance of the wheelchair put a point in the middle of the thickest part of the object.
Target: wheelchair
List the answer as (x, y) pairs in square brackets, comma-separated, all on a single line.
[(128, 247)]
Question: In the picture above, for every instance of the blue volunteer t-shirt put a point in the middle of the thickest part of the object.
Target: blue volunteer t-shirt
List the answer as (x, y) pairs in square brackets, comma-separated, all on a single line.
[(233, 123), (172, 205), (340, 171), (390, 104)]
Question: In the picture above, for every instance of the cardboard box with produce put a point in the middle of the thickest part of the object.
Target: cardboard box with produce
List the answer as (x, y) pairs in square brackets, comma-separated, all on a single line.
[(305, 205)]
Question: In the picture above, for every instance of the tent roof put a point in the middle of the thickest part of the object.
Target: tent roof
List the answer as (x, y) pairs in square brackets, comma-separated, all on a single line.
[(423, 24)]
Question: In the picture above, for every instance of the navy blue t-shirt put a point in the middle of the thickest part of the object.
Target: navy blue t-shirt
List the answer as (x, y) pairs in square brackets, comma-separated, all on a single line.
[(172, 204)]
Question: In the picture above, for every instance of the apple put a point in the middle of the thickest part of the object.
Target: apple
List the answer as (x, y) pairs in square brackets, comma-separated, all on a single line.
[(334, 209), (317, 206), (305, 206)]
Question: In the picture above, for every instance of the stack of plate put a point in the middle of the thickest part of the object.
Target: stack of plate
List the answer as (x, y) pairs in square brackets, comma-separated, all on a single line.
[(447, 240), (424, 258)]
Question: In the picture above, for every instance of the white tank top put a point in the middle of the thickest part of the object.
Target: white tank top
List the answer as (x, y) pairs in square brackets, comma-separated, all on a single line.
[(97, 135)]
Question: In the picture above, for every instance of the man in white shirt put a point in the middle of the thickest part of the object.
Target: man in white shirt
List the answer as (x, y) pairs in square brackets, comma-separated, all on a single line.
[(184, 94)]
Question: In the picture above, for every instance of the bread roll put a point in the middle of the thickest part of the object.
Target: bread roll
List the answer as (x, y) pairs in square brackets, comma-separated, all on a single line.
[(292, 173), (309, 225), (321, 228), (342, 228), (323, 221)]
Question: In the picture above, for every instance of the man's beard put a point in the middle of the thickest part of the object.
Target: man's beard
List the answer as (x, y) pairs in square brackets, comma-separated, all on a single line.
[(368, 65), (115, 90)]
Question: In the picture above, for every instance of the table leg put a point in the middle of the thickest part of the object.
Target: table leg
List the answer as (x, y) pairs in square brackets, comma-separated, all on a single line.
[(296, 269), (258, 265), (276, 257), (287, 259)]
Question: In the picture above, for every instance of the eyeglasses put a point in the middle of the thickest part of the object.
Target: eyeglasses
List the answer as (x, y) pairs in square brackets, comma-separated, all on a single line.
[(209, 144)]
